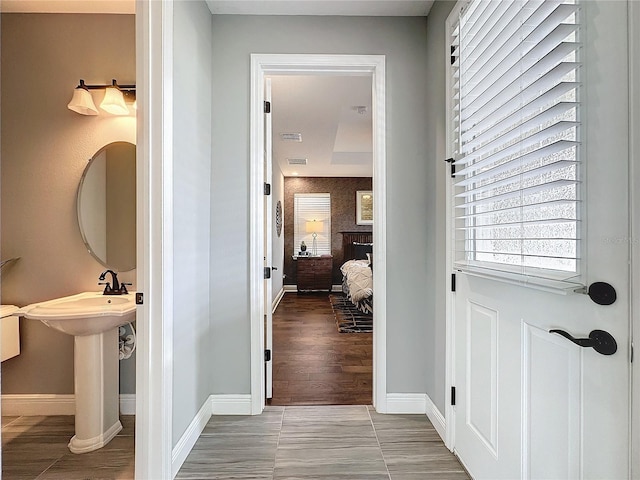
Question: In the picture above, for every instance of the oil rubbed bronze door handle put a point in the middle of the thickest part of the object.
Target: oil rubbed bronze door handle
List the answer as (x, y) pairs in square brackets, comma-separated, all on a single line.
[(601, 341)]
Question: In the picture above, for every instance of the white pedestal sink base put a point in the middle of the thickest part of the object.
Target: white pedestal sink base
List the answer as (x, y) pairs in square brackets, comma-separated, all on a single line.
[(96, 391)]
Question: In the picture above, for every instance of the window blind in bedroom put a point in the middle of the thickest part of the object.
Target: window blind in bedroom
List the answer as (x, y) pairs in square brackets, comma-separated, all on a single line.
[(514, 128), (310, 207)]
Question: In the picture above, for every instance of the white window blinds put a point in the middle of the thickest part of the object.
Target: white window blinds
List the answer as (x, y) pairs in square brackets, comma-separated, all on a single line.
[(312, 213), (514, 100)]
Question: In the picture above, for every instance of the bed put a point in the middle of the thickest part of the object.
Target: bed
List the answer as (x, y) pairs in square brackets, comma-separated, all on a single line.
[(357, 269)]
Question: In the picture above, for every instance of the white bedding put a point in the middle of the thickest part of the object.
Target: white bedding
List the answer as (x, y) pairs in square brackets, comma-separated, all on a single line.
[(359, 279)]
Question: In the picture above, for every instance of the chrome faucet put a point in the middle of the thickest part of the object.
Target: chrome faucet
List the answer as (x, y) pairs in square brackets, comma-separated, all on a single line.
[(115, 288)]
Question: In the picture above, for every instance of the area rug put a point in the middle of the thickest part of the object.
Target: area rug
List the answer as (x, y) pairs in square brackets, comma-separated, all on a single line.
[(348, 318)]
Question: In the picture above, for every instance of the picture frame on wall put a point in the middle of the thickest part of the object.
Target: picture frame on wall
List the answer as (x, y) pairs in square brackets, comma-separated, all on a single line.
[(364, 207)]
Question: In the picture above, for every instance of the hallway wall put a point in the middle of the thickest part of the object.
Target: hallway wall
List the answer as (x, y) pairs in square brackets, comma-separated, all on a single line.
[(191, 216), (410, 236)]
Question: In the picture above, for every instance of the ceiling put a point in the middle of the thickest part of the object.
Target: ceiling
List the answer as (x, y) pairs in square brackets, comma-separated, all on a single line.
[(386, 8), (333, 115)]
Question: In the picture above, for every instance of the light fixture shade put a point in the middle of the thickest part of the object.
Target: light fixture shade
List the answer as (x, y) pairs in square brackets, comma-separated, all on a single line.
[(314, 227), (82, 102), (113, 102)]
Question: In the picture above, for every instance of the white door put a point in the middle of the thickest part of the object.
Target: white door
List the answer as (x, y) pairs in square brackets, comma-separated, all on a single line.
[(530, 403), (268, 259)]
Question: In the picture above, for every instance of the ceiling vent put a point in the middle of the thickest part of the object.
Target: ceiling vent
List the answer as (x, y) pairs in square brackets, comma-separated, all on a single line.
[(291, 137), (297, 161)]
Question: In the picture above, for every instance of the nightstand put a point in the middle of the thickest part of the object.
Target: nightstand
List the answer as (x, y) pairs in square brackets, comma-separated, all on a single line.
[(314, 273)]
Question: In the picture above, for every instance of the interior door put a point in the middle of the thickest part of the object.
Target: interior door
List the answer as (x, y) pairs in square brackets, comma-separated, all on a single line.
[(268, 231), (530, 403)]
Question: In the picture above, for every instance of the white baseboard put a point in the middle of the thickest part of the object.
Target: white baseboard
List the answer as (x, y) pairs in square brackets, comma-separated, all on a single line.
[(30, 405), (436, 418), (127, 404), (231, 404), (38, 404), (415, 403), (190, 437), (276, 300), (294, 288)]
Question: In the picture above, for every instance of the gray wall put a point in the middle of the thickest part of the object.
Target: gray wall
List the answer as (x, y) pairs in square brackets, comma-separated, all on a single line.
[(277, 245), (44, 150), (192, 211), (411, 249), (436, 208)]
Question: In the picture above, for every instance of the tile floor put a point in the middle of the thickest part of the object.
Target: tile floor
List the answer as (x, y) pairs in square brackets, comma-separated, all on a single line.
[(321, 442), (36, 448)]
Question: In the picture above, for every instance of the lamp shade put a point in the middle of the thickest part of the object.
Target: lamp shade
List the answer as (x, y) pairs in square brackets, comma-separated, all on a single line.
[(82, 102), (113, 102), (314, 227)]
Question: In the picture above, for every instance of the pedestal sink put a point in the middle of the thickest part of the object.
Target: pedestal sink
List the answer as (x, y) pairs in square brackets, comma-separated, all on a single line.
[(93, 319)]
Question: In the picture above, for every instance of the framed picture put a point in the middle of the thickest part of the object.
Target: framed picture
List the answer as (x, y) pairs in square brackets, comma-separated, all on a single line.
[(364, 207)]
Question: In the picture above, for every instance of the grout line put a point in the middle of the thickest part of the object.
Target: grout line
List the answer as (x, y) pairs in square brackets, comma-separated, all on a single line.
[(273, 474), (12, 421), (49, 467), (378, 441)]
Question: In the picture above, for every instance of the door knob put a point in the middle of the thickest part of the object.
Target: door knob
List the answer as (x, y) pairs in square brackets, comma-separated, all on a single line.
[(601, 341)]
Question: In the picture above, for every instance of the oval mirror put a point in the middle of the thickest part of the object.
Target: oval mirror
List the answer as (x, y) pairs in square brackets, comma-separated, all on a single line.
[(107, 206)]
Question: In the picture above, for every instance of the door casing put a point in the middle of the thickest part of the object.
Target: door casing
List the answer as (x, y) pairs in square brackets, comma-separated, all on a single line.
[(299, 64)]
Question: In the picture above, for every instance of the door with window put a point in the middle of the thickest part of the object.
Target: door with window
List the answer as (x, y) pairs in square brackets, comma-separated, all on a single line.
[(538, 129)]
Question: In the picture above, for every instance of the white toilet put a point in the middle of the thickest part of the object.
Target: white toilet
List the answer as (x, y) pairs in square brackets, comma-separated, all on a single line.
[(10, 332)]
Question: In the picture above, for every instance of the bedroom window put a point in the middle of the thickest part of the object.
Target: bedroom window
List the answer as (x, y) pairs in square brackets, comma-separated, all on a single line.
[(312, 217), (514, 131)]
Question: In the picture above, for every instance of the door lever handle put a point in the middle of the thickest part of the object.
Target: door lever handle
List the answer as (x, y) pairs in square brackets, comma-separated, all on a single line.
[(601, 341)]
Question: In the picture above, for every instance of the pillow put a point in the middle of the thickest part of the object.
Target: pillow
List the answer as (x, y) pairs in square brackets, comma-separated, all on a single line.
[(360, 250)]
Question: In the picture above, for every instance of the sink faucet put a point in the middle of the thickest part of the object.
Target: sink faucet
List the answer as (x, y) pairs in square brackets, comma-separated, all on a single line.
[(116, 288)]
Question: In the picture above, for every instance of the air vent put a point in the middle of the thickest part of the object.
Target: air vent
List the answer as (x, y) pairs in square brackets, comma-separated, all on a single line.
[(291, 137), (297, 161)]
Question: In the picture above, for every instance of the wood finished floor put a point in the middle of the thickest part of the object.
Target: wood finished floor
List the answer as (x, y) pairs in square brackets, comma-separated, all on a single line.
[(321, 443), (36, 448), (313, 364)]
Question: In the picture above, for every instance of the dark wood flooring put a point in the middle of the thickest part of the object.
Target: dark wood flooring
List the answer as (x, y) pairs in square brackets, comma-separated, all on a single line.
[(313, 364)]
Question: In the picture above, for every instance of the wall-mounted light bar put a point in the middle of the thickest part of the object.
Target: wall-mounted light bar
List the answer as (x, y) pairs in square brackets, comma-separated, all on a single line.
[(113, 101)]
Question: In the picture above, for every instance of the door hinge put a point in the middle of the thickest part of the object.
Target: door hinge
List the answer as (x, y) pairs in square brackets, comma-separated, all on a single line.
[(267, 273), (139, 298), (453, 282), (267, 107), (267, 355), (450, 161), (267, 189), (453, 396)]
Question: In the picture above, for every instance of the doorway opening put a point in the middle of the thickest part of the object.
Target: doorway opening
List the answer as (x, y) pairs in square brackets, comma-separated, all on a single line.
[(371, 67), (322, 165)]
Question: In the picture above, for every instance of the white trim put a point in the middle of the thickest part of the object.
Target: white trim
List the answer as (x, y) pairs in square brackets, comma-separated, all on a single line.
[(450, 366), (634, 224), (273, 64), (189, 438), (127, 404), (239, 404), (436, 418), (54, 404), (276, 301), (38, 404), (407, 403), (290, 288), (154, 362)]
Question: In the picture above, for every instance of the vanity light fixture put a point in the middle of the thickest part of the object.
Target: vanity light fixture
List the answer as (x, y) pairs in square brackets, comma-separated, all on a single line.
[(82, 101), (113, 102)]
